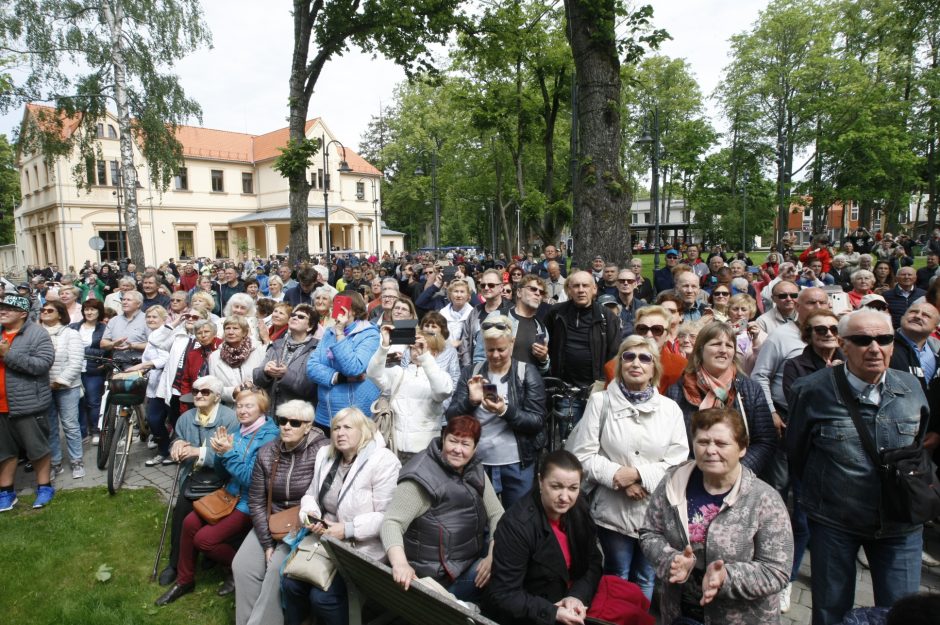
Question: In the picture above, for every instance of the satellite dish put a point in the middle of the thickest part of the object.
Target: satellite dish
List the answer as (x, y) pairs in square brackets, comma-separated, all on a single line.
[(96, 243)]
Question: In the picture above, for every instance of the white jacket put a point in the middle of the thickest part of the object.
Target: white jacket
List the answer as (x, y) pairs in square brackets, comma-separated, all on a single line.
[(366, 493), (231, 378), (650, 437), (174, 341), (418, 392), (69, 356)]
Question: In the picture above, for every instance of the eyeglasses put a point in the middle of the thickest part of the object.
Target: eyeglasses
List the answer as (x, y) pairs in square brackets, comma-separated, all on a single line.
[(826, 330), (656, 330), (646, 359), (787, 295), (721, 294), (201, 391), (864, 340), (627, 281), (430, 272), (495, 324), (535, 289), (294, 423), (299, 316), (192, 317), (489, 285)]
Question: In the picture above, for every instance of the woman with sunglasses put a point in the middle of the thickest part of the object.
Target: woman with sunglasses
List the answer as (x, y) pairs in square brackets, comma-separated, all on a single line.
[(508, 398), (196, 363), (192, 449), (235, 452), (719, 300), (65, 380), (275, 374), (628, 438), (177, 337), (713, 379), (282, 474)]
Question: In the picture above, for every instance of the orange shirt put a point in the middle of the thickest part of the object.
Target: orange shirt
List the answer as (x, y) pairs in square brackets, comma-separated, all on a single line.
[(4, 406)]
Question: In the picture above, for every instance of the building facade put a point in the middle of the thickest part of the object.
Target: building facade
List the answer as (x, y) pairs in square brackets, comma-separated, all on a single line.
[(227, 201)]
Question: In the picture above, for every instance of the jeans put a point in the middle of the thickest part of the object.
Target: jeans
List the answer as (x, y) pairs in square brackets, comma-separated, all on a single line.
[(511, 481), (330, 607), (64, 408), (464, 588), (90, 405), (895, 569), (624, 558), (573, 407), (156, 417), (800, 530)]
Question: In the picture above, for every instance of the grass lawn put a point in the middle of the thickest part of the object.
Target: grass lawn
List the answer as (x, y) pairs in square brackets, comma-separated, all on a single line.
[(50, 557)]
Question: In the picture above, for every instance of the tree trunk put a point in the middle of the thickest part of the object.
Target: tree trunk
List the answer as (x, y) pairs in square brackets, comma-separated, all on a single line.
[(601, 195), (299, 101), (128, 170)]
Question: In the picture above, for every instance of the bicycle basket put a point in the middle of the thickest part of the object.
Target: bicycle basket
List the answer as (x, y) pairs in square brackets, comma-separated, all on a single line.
[(128, 389)]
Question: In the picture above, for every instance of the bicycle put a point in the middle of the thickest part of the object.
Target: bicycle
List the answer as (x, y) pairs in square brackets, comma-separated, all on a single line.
[(124, 394), (559, 424)]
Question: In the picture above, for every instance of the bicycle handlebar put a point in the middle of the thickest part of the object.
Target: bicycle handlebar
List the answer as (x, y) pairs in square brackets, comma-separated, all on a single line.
[(559, 388), (114, 364)]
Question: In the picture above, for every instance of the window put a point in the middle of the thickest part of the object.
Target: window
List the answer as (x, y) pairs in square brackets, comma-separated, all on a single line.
[(99, 132), (853, 212), (184, 242), (26, 171), (360, 190), (634, 218), (181, 180), (103, 173), (319, 179), (115, 245), (115, 174), (247, 183), (313, 180), (217, 184), (221, 243), (36, 175), (112, 133)]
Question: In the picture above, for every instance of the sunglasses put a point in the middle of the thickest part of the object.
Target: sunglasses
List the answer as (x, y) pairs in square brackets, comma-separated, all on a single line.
[(201, 391), (721, 294), (489, 285), (646, 359), (787, 295), (192, 317), (627, 281), (864, 340), (299, 316), (47, 310), (644, 329), (495, 324), (535, 289), (294, 423), (826, 330)]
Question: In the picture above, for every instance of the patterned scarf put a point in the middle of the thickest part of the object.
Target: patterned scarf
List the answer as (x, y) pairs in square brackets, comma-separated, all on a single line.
[(706, 391), (235, 355), (636, 397)]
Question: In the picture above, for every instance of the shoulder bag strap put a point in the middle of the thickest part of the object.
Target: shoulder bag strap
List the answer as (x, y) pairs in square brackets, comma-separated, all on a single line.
[(277, 459), (851, 402), (737, 395), (328, 482)]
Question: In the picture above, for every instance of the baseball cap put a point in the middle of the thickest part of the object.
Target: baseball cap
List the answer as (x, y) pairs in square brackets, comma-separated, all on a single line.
[(607, 300), (16, 301), (873, 297), (23, 285), (672, 253)]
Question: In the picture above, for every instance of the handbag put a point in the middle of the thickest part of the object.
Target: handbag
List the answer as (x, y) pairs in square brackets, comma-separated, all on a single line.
[(309, 562), (201, 483), (282, 523), (384, 416), (215, 506), (910, 492)]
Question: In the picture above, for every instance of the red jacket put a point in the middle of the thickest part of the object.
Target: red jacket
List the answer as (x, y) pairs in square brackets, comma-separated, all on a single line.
[(193, 365), (821, 253)]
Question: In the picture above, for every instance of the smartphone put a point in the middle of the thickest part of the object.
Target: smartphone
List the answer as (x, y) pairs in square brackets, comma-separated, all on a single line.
[(341, 302), (489, 391), (448, 273), (314, 520), (541, 337), (404, 332)]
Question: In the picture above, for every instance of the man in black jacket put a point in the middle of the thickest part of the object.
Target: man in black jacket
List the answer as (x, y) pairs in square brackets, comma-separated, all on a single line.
[(582, 337)]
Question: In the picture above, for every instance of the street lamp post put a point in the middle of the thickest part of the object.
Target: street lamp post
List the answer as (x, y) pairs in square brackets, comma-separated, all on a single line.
[(377, 223), (343, 169), (654, 190), (435, 199)]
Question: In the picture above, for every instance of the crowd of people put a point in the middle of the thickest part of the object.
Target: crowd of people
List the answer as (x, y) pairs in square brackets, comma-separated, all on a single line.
[(712, 440)]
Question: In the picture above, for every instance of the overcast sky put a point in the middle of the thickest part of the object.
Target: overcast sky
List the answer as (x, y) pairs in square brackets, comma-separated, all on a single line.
[(241, 83)]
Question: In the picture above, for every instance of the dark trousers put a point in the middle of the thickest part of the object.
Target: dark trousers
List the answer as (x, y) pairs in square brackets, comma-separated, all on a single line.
[(89, 406), (156, 417), (181, 510)]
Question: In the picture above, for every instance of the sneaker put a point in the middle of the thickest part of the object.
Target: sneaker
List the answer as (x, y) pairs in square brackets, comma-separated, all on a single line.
[(43, 496), (168, 461), (7, 500), (928, 560), (78, 470), (151, 444), (785, 598), (56, 471), (158, 459), (95, 439)]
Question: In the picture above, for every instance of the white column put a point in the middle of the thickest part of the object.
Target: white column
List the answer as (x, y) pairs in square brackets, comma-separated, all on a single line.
[(270, 239)]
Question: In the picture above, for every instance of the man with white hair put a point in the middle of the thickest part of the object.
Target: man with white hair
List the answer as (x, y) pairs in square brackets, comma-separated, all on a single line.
[(126, 334), (841, 489)]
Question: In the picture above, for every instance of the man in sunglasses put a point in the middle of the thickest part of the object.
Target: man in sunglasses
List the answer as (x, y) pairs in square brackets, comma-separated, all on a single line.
[(627, 300), (840, 483), (784, 296)]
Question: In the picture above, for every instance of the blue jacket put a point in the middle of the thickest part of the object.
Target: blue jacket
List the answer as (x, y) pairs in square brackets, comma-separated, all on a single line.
[(348, 358), (840, 484), (188, 429), (239, 461)]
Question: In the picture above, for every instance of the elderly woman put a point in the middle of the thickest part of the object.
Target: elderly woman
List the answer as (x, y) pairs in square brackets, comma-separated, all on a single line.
[(546, 564), (283, 371), (71, 297), (235, 460), (865, 261), (417, 391), (277, 327), (152, 362), (177, 337), (742, 309), (242, 305), (688, 332), (718, 502), (627, 439), (65, 380), (275, 288), (862, 283), (508, 398), (441, 514), (90, 330), (192, 449), (203, 300), (235, 361), (196, 361), (713, 379), (353, 481), (323, 305), (338, 364), (771, 268), (841, 272), (282, 473)]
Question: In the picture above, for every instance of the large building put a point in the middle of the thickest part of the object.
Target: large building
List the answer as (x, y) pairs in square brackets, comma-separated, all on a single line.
[(227, 200)]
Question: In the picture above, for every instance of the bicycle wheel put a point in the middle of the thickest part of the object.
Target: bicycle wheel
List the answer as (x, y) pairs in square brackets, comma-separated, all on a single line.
[(106, 436), (120, 453)]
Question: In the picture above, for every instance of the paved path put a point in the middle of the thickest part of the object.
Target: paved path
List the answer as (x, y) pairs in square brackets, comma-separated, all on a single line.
[(140, 476)]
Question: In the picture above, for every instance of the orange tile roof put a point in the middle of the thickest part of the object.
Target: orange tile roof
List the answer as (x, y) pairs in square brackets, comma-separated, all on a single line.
[(69, 123), (225, 145)]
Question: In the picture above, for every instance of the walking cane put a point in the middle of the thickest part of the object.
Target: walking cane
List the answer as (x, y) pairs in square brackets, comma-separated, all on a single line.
[(166, 522)]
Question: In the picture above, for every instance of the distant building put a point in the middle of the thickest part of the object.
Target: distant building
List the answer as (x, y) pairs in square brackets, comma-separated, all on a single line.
[(226, 201)]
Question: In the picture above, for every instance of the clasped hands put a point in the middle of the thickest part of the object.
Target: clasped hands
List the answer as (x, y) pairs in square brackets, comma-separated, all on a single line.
[(628, 480)]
